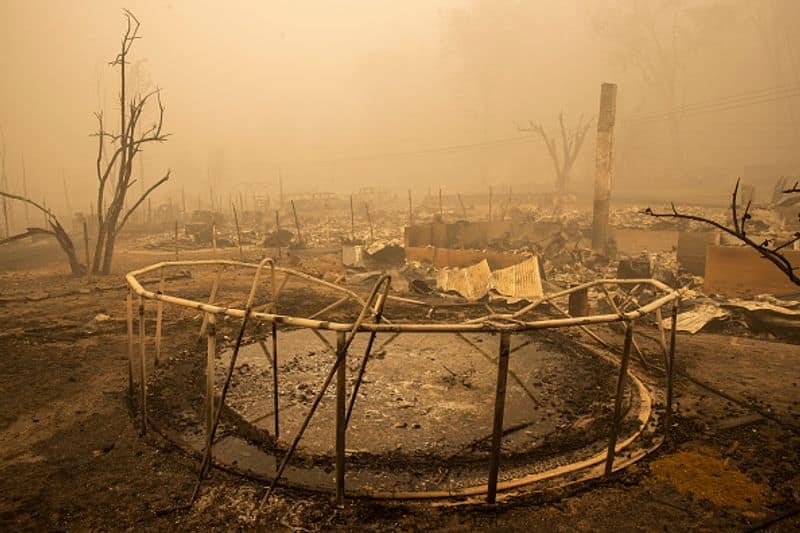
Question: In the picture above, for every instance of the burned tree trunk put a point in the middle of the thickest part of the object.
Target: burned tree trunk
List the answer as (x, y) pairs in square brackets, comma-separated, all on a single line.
[(126, 146)]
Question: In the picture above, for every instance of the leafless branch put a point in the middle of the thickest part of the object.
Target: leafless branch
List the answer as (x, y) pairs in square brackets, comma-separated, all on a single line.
[(794, 188), (38, 206), (772, 254), (29, 232), (141, 199)]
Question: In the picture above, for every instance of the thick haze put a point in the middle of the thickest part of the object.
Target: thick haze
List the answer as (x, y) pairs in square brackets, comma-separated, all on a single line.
[(341, 94)]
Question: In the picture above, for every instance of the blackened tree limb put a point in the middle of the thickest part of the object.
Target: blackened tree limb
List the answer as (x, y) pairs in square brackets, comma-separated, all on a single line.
[(769, 250), (141, 199), (28, 233), (57, 230)]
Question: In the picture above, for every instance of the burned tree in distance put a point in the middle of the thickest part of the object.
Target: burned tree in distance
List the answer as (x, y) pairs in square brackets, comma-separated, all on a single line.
[(571, 143), (126, 145)]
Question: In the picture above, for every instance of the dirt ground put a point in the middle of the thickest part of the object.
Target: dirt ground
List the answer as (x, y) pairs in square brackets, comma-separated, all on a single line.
[(71, 457)]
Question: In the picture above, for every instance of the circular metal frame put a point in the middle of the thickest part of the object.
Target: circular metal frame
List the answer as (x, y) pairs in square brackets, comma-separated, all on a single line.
[(372, 320)]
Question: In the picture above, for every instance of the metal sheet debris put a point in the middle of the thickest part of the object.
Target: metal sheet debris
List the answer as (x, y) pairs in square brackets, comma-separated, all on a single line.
[(521, 282), (696, 319), (472, 282)]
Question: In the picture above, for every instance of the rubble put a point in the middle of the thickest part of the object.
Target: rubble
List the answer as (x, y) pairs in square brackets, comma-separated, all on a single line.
[(762, 314)]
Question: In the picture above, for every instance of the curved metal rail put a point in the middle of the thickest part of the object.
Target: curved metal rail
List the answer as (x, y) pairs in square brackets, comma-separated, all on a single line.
[(373, 308)]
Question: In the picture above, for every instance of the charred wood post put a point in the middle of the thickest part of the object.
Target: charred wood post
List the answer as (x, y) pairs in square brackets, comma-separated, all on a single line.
[(352, 221), (579, 303), (278, 230), (239, 231), (410, 210), (369, 221), (604, 167), (297, 225)]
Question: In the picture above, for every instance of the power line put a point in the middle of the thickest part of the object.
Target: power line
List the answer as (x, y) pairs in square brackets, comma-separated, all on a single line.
[(767, 91), (723, 104), (509, 141)]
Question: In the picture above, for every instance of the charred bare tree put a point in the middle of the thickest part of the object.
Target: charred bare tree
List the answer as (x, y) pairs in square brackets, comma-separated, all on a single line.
[(769, 249), (571, 142), (114, 172), (56, 230)]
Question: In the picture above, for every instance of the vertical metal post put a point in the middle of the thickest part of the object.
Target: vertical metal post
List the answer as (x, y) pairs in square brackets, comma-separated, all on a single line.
[(210, 355), (623, 373), (670, 367), (340, 415), (177, 246), (275, 355), (142, 367), (130, 343), (159, 317), (499, 410)]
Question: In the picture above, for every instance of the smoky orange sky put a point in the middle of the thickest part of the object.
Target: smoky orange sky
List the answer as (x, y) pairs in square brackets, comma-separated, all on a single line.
[(425, 93)]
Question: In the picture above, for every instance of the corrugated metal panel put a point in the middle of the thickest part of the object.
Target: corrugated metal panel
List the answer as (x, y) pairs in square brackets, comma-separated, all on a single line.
[(522, 281), (696, 319), (471, 282)]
